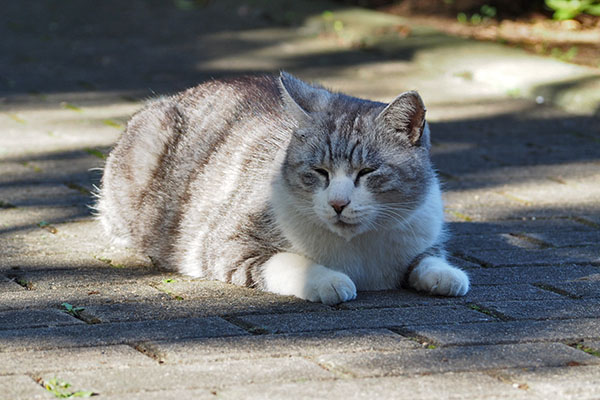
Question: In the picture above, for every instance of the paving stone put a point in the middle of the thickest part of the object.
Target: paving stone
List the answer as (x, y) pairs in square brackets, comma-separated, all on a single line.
[(43, 194), (22, 387), (60, 167), (173, 308), (101, 294), (451, 385), (554, 226), (541, 274), (398, 298), (548, 256), (583, 289), (592, 220), (477, 293), (546, 309), (126, 301), (21, 220), (102, 276), (564, 239), (462, 263), (72, 359), (497, 241), (576, 382), (508, 332), (184, 376), (517, 291), (35, 319), (30, 259), (50, 238), (171, 394), (232, 299), (114, 333), (485, 205), (282, 345), (9, 285), (481, 205), (354, 319), (18, 219), (464, 358), (583, 190), (524, 239), (160, 300), (53, 167), (594, 345)]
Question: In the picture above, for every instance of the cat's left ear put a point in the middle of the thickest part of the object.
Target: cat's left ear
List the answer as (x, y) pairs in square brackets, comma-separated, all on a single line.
[(406, 116), (301, 98)]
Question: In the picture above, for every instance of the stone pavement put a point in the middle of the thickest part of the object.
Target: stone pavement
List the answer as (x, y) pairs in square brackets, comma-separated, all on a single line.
[(522, 182)]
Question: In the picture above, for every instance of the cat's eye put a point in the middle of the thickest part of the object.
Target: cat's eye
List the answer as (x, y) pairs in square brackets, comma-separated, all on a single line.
[(363, 172), (321, 172)]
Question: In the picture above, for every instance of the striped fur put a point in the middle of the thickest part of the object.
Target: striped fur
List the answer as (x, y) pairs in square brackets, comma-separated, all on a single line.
[(224, 179)]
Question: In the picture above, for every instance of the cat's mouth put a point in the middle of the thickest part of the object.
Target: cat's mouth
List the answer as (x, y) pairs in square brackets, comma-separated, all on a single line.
[(346, 225)]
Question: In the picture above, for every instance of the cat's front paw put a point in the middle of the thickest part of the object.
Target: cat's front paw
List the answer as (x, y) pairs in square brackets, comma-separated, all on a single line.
[(293, 274), (436, 276), (332, 287)]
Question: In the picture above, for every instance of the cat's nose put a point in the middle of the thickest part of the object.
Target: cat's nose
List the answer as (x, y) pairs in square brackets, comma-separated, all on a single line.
[(338, 205)]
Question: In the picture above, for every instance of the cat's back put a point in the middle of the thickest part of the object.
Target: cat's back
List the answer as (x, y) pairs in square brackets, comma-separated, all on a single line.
[(192, 149), (200, 115)]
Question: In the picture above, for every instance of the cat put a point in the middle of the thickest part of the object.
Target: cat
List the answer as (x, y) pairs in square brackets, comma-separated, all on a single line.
[(274, 183)]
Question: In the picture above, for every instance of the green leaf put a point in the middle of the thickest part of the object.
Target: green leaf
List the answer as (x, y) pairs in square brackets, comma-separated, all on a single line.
[(69, 106), (112, 123), (70, 309), (82, 394), (95, 152), (59, 389)]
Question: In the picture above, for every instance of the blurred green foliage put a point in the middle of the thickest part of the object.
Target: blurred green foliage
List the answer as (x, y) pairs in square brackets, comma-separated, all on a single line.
[(486, 12), (568, 9)]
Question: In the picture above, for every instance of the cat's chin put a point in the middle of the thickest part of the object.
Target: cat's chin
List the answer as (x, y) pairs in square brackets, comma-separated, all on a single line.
[(345, 230)]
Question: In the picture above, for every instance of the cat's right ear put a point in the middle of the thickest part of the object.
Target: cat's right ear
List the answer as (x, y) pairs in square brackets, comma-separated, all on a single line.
[(406, 117), (300, 98)]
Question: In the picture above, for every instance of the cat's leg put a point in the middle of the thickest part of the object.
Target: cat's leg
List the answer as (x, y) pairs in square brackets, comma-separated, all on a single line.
[(293, 274), (436, 276)]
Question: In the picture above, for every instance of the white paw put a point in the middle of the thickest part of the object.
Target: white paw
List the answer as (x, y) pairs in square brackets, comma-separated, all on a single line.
[(292, 274), (436, 276), (331, 287)]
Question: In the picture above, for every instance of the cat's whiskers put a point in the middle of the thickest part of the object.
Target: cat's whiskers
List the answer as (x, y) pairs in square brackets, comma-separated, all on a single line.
[(397, 218), (408, 228)]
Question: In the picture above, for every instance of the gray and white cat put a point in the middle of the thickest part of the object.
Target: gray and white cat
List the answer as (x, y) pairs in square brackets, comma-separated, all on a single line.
[(273, 183)]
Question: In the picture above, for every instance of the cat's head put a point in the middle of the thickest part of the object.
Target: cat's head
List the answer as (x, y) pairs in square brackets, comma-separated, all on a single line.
[(355, 165)]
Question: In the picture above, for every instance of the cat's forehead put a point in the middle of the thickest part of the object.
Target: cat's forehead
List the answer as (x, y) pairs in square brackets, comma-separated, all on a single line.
[(355, 120), (349, 123), (341, 139)]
